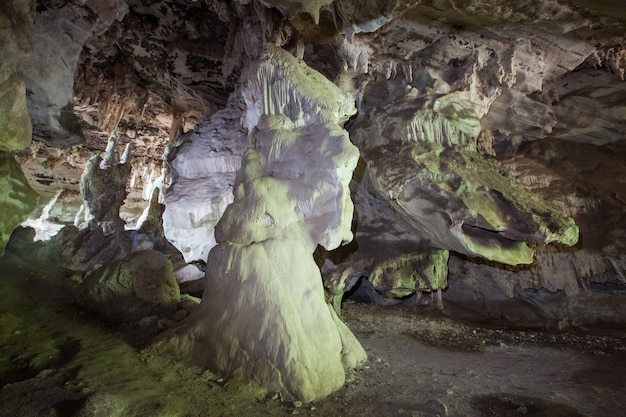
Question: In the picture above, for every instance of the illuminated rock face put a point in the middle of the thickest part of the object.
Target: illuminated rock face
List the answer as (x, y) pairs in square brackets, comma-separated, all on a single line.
[(103, 188), (264, 316), (59, 36), (203, 170), (456, 199), (468, 114), (17, 198)]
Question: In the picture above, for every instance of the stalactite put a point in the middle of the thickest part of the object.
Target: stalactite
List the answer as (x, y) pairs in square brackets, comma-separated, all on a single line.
[(428, 127)]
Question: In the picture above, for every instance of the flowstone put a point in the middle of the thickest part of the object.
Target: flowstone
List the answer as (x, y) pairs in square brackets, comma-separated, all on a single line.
[(263, 316)]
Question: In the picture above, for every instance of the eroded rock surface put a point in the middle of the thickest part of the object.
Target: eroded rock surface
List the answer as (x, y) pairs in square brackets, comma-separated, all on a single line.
[(61, 30), (140, 285), (17, 197)]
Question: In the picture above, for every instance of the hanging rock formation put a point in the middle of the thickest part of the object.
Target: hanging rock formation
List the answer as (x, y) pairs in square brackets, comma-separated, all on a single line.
[(457, 200)]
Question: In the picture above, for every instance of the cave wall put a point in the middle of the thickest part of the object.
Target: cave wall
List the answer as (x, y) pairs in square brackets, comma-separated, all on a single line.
[(535, 90)]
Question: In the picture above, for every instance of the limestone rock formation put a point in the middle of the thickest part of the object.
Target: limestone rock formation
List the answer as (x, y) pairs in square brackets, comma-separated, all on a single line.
[(17, 198), (140, 285), (203, 170), (433, 175), (59, 36), (16, 36), (103, 187), (265, 297), (571, 177), (99, 237)]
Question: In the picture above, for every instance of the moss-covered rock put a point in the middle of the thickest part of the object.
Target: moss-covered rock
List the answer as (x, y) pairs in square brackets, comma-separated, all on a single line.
[(455, 198), (17, 198), (140, 285), (15, 128)]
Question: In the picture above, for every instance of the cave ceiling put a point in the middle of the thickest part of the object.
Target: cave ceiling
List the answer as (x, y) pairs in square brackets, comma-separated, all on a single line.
[(149, 66)]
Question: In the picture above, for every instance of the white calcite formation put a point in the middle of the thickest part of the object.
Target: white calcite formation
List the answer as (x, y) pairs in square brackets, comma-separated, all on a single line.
[(203, 170), (263, 315)]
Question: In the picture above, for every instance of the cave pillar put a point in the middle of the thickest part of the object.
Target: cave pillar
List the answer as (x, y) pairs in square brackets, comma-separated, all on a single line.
[(17, 198), (263, 315)]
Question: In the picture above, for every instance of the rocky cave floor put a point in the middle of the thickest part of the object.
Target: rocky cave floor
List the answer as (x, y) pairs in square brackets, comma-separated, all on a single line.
[(58, 360)]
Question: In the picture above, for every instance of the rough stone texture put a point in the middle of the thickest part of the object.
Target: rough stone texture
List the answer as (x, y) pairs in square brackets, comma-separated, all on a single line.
[(150, 232), (61, 30), (140, 285), (103, 188), (586, 182), (457, 200), (17, 198), (89, 248), (203, 170), (14, 119), (157, 74), (16, 38), (266, 297), (403, 276)]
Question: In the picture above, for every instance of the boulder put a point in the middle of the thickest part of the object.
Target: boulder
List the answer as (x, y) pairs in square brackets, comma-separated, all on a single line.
[(142, 284)]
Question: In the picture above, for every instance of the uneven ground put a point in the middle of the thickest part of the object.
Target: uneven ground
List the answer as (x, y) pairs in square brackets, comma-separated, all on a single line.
[(57, 360)]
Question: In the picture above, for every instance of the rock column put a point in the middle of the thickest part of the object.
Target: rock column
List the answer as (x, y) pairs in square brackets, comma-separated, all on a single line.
[(263, 315), (17, 198)]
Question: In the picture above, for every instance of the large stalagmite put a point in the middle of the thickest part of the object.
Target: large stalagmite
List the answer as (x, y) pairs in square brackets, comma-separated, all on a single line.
[(263, 315)]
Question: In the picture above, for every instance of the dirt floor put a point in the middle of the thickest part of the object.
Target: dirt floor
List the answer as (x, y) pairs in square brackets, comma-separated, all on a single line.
[(58, 360)]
